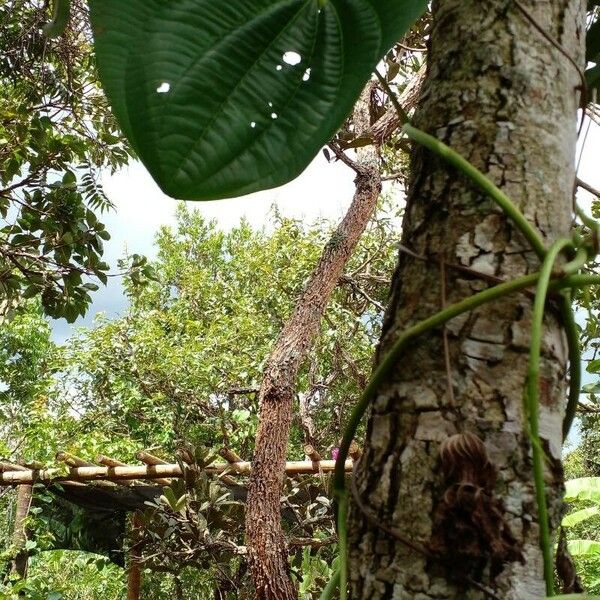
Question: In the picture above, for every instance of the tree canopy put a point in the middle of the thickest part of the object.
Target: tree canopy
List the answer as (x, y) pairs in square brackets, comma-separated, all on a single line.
[(56, 134)]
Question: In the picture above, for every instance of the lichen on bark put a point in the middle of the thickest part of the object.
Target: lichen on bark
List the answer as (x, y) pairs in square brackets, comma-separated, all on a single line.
[(506, 99)]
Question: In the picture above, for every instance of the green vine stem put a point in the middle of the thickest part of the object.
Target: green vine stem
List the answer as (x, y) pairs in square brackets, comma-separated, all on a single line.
[(576, 281), (531, 407), (470, 171), (574, 347), (329, 590), (60, 19), (402, 114)]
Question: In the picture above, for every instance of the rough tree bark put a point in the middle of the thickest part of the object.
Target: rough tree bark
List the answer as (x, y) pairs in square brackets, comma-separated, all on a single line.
[(267, 548), (505, 98), (19, 538), (134, 571)]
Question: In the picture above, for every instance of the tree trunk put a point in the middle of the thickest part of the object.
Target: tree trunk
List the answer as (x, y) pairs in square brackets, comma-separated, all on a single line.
[(19, 538), (267, 548), (134, 571), (505, 98)]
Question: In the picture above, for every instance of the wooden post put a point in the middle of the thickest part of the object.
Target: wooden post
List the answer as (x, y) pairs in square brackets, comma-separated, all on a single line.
[(19, 538), (134, 572)]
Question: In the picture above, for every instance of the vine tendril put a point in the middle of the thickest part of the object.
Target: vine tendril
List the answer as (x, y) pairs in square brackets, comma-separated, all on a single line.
[(546, 280), (60, 19)]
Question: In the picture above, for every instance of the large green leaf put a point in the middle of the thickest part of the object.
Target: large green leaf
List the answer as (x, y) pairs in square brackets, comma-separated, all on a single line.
[(583, 488), (583, 547), (579, 516), (592, 41), (221, 99)]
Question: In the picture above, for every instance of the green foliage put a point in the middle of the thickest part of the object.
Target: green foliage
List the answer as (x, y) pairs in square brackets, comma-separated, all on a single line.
[(578, 516), (56, 133), (39, 414), (68, 575), (186, 360), (584, 488), (582, 526), (28, 363), (224, 99), (316, 573), (184, 363)]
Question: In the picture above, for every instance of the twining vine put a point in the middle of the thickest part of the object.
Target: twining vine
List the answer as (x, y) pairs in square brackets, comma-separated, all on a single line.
[(580, 250)]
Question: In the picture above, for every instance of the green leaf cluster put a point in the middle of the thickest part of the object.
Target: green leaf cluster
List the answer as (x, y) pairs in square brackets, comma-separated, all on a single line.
[(57, 134), (186, 360)]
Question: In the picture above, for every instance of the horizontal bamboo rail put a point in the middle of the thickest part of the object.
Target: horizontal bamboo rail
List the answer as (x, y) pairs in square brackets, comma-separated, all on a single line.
[(7, 466), (154, 472), (150, 459)]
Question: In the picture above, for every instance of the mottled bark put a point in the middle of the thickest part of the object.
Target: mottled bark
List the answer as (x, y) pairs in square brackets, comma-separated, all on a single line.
[(267, 548), (506, 99), (19, 538), (134, 571)]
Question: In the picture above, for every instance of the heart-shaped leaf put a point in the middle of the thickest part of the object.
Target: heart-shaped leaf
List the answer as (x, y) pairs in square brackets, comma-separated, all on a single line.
[(221, 99)]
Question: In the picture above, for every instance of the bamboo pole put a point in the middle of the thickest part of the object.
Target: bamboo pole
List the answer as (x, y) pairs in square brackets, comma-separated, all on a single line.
[(310, 451), (229, 455), (150, 459), (34, 464), (8, 466), (232, 458), (303, 467), (107, 461), (72, 460), (355, 451)]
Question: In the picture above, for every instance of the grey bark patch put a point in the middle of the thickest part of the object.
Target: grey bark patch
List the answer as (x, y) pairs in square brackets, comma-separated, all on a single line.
[(487, 330), (482, 350), (486, 263), (465, 250), (433, 427), (486, 234), (455, 325), (425, 397)]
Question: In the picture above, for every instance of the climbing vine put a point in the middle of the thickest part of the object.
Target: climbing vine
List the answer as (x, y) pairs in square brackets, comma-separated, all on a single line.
[(579, 249)]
